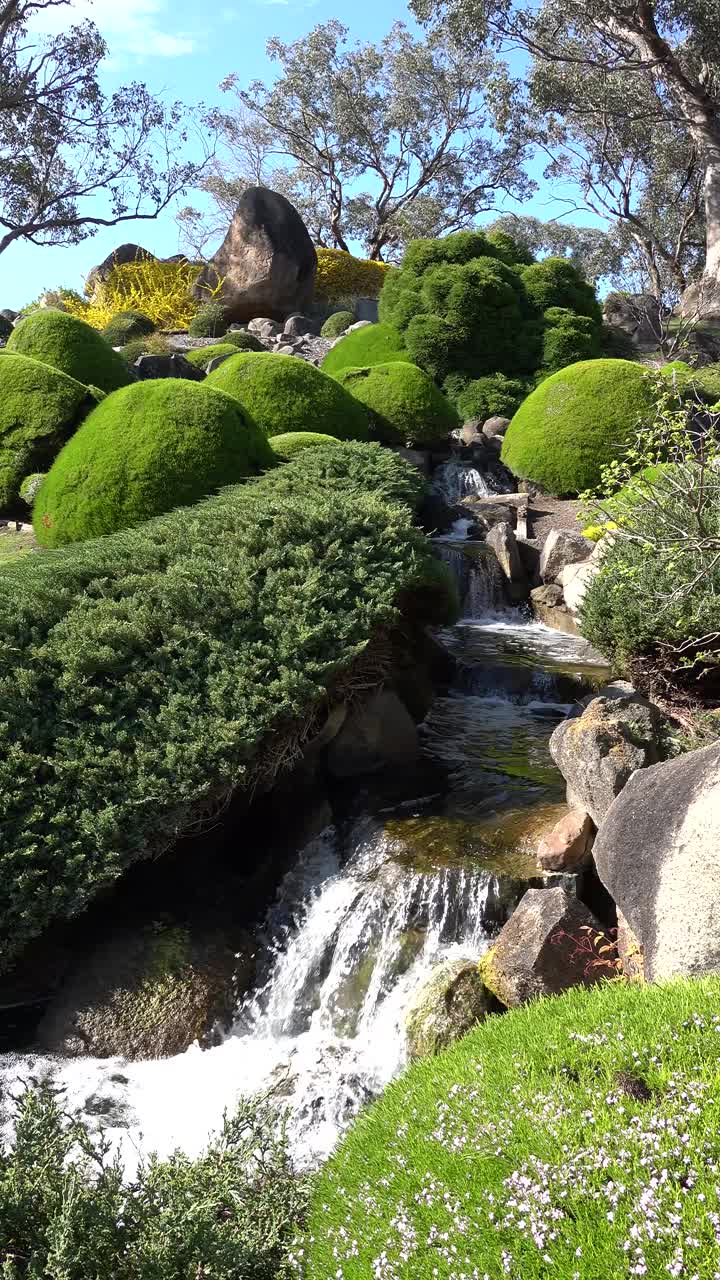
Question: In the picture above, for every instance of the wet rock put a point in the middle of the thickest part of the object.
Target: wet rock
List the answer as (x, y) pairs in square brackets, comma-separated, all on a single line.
[(536, 953), (419, 458), (548, 605), (380, 733), (435, 515), (174, 366), (504, 543), (496, 426), (598, 752), (562, 547), (567, 846), (658, 854), (451, 1003)]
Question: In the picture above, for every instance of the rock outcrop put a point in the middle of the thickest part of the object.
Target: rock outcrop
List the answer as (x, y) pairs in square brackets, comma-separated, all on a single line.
[(658, 855), (567, 846), (119, 257), (379, 733), (266, 263), (451, 1003), (562, 547), (537, 953)]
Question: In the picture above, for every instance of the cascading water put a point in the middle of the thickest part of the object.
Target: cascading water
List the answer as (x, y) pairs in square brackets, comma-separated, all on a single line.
[(479, 576), (455, 480)]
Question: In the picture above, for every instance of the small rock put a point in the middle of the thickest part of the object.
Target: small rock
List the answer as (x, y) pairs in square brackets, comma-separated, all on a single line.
[(496, 426), (419, 458), (298, 326), (567, 846), (548, 605), (174, 366), (452, 1001), (284, 350), (471, 432), (562, 547), (359, 324), (264, 327)]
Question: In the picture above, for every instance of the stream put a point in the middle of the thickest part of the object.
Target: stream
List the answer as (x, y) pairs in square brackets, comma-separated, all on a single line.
[(371, 905)]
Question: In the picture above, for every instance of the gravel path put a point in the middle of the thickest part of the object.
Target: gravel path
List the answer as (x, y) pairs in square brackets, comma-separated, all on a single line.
[(545, 514)]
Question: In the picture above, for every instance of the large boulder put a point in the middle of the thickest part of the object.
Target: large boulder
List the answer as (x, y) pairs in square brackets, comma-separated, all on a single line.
[(562, 547), (566, 846), (658, 854), (538, 952), (377, 734), (452, 1001), (636, 314), (548, 606), (266, 263), (598, 751)]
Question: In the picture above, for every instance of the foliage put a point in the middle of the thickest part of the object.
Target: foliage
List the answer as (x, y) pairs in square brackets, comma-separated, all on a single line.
[(160, 290), (291, 443), (218, 629), (30, 486), (549, 1141), (282, 393), (201, 356), (68, 344), (340, 275), (155, 344), (593, 252), (39, 410), (243, 341), (406, 408), (336, 324), (208, 322), (66, 1211), (576, 422), (147, 448), (351, 469), (568, 339), (493, 396), (126, 325), (555, 282), (373, 344)]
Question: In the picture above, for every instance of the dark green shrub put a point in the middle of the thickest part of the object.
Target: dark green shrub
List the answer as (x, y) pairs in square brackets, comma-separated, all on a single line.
[(65, 1210), (125, 326), (336, 324), (349, 470), (576, 422), (30, 485), (373, 344), (154, 344), (39, 410), (147, 448), (568, 339), (555, 282), (283, 393), (208, 322), (293, 442), (146, 675), (201, 356), (243, 341), (551, 1141), (73, 347), (405, 406), (616, 344), (494, 396)]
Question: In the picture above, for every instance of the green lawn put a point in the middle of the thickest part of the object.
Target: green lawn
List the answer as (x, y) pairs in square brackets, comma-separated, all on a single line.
[(13, 545)]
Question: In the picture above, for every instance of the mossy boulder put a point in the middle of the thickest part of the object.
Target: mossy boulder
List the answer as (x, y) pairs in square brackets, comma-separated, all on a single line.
[(293, 442), (147, 448), (406, 407), (125, 326), (452, 1002), (68, 344), (373, 344), (576, 422), (283, 394), (201, 356), (39, 410), (337, 324), (242, 340)]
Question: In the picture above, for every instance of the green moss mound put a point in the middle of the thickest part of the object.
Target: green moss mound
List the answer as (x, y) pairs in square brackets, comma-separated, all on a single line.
[(243, 341), (293, 442), (551, 1141), (125, 326), (373, 344), (283, 393), (202, 356), (336, 324), (39, 410), (405, 405), (148, 448), (576, 422), (73, 347)]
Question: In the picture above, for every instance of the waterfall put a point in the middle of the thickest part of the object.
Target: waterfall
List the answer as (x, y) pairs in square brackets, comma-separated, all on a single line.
[(455, 480), (481, 583)]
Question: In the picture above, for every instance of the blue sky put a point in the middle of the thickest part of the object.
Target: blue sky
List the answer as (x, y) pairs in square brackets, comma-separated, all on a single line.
[(183, 50)]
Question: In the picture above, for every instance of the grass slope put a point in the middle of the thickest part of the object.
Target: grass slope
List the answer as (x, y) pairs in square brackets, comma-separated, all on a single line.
[(73, 347)]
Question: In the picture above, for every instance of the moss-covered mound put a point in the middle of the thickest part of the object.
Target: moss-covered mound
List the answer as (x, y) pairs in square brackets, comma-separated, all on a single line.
[(73, 347), (405, 405), (292, 442), (551, 1141), (373, 344), (125, 326), (39, 410), (283, 393), (336, 324), (201, 356), (242, 340), (148, 448), (576, 422)]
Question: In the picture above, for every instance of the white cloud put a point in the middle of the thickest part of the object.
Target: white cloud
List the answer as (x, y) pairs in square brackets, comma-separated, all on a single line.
[(133, 27)]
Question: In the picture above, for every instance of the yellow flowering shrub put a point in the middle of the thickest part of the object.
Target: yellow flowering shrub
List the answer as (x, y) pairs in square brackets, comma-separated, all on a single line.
[(340, 275), (160, 290)]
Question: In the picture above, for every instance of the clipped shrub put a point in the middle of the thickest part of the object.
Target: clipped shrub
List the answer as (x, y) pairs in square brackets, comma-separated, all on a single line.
[(70, 345), (156, 445), (287, 446), (373, 344), (340, 275), (39, 410), (201, 356), (550, 1141), (576, 422), (282, 393), (351, 469), (218, 631), (125, 326), (336, 324), (493, 396), (30, 486), (568, 338), (406, 408), (556, 283), (161, 290), (243, 341), (155, 344), (208, 322)]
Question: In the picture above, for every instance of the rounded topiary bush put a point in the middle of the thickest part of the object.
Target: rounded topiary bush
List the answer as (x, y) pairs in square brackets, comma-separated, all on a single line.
[(283, 393), (200, 357), (551, 1141), (148, 448), (125, 326), (39, 410), (493, 396), (336, 324), (556, 283), (576, 422), (154, 344), (242, 340), (568, 338), (373, 344), (208, 322), (73, 347), (291, 443), (405, 405)]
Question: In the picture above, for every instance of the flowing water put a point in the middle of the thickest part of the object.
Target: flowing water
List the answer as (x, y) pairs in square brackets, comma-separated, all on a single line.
[(370, 907)]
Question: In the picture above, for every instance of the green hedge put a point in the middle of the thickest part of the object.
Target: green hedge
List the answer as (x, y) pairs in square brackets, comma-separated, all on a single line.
[(405, 406), (159, 444), (73, 347), (142, 674), (284, 393), (373, 344), (351, 469), (39, 410), (293, 442)]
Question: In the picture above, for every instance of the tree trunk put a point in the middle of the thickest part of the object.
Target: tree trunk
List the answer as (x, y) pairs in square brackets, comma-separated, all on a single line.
[(712, 211)]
